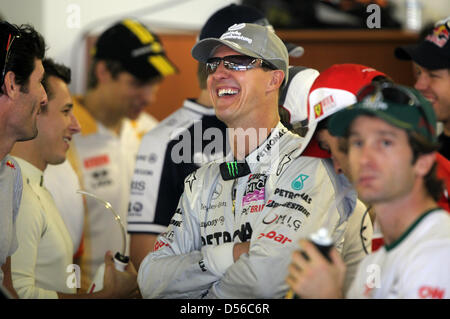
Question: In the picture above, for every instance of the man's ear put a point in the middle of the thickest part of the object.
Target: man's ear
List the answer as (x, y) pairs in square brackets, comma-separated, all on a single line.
[(10, 87), (102, 73), (424, 163), (276, 80)]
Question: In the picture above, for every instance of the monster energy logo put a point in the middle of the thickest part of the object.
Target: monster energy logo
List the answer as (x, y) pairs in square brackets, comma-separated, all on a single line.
[(232, 168)]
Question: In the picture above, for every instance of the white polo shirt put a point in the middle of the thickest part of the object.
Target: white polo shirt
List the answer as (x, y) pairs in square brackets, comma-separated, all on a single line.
[(39, 265)]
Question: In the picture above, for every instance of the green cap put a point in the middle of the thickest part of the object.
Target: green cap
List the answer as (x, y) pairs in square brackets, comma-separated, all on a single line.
[(400, 106)]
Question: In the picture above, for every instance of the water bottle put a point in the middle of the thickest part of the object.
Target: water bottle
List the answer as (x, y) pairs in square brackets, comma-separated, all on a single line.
[(323, 242), (413, 20)]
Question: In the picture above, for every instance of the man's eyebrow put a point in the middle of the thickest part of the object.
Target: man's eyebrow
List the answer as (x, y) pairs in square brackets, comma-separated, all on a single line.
[(379, 132)]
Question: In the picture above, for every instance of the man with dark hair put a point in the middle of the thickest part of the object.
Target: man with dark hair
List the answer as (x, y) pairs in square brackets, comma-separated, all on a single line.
[(22, 73), (61, 179), (391, 134), (128, 65), (21, 97), (39, 266), (431, 63)]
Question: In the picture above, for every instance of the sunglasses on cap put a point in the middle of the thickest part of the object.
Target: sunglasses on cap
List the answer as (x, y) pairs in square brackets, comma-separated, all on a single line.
[(378, 94), (13, 33), (236, 63), (388, 92)]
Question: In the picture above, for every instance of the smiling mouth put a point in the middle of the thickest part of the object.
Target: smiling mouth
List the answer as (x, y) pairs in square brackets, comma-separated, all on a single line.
[(227, 92)]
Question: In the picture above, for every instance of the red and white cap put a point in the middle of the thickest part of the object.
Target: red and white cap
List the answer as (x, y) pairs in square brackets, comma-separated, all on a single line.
[(294, 100), (336, 88)]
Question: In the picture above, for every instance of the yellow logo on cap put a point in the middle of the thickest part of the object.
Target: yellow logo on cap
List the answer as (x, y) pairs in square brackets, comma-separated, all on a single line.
[(318, 110), (139, 30)]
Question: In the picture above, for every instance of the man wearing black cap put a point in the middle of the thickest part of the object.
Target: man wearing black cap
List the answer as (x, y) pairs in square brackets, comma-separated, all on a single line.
[(391, 133), (238, 218), (431, 60), (128, 64), (151, 209)]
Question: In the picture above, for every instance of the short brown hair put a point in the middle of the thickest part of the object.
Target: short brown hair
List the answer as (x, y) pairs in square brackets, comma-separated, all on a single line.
[(113, 66)]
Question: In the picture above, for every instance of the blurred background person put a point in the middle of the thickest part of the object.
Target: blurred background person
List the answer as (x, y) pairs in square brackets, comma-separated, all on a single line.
[(431, 63), (128, 65)]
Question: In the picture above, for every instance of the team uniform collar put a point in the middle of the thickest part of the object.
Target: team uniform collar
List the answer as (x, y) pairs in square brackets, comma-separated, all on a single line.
[(262, 155), (33, 174)]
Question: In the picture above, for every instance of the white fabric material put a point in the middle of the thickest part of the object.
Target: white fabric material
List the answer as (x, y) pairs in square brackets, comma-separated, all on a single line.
[(416, 266), (62, 182), (284, 198), (39, 265), (107, 163), (10, 196)]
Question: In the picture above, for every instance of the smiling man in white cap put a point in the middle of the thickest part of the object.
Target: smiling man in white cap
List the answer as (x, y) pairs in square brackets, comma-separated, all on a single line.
[(238, 218)]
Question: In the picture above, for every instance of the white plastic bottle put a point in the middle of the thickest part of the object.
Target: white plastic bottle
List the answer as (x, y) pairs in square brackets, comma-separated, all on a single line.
[(413, 20)]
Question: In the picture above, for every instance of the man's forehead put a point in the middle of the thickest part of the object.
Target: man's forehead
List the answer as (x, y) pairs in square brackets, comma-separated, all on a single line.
[(38, 67), (223, 49), (360, 126)]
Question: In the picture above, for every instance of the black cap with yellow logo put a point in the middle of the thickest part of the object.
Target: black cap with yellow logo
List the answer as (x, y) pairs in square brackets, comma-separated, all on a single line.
[(140, 51)]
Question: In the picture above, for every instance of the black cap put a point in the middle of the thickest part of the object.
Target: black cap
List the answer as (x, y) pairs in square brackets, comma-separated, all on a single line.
[(221, 20), (138, 50), (433, 52)]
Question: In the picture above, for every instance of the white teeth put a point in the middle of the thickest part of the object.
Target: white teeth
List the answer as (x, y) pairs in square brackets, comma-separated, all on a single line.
[(223, 92), (66, 139)]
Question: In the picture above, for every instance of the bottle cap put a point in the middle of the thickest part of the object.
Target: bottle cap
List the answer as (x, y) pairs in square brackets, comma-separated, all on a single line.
[(321, 237)]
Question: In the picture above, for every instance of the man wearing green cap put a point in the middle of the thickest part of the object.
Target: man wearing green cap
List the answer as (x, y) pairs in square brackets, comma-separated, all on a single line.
[(391, 133)]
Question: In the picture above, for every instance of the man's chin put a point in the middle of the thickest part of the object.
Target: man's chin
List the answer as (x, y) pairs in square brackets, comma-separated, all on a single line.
[(28, 137), (133, 115), (57, 160)]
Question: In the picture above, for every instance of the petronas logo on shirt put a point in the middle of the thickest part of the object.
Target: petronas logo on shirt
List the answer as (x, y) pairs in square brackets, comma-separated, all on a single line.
[(233, 168), (298, 182)]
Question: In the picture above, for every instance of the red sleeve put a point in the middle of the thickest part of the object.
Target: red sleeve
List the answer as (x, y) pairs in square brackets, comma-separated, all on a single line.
[(443, 172)]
